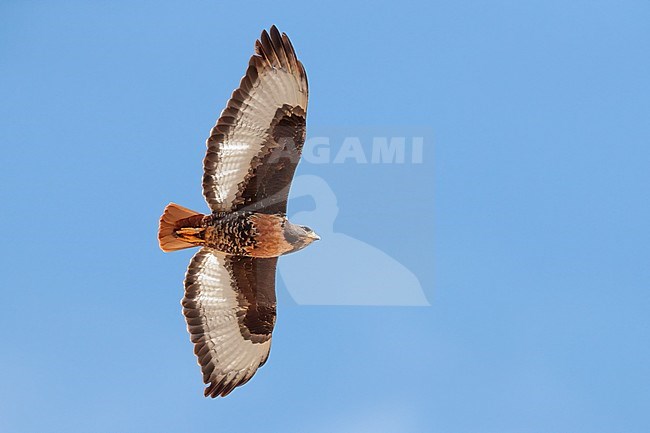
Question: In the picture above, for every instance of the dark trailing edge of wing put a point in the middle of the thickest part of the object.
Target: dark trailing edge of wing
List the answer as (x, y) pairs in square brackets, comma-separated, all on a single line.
[(266, 189), (255, 282)]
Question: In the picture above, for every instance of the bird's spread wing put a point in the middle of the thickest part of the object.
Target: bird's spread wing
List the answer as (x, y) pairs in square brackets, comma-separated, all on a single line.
[(229, 306), (255, 146)]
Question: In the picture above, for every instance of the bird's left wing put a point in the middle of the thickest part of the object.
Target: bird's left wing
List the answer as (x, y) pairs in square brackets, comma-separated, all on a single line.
[(255, 146), (229, 306)]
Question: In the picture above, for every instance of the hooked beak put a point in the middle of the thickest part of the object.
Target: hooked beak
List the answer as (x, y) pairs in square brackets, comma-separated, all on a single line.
[(314, 236)]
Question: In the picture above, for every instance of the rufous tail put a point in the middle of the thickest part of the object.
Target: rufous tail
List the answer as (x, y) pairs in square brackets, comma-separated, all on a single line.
[(177, 231)]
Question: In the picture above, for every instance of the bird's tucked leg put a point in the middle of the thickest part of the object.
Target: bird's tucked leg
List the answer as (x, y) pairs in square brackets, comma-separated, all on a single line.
[(193, 235)]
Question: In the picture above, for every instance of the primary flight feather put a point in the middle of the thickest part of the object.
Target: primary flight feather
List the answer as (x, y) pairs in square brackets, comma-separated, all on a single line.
[(253, 150)]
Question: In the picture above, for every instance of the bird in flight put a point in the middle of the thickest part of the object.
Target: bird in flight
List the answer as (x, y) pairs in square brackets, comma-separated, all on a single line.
[(253, 150)]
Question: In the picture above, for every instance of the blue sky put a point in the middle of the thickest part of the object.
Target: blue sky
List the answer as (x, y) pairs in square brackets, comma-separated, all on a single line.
[(526, 223)]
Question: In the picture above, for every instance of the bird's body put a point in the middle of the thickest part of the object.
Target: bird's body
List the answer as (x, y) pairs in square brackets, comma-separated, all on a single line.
[(252, 154), (239, 233)]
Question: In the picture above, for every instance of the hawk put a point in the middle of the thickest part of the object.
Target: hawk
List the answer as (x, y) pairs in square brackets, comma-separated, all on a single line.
[(253, 150)]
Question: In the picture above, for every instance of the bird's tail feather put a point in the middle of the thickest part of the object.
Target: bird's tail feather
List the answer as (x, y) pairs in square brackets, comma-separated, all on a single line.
[(173, 235)]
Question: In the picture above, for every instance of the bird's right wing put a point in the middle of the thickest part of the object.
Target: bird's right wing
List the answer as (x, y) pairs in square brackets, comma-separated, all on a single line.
[(229, 306), (261, 131)]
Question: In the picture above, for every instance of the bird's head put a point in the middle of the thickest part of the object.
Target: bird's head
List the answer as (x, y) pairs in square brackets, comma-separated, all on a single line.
[(299, 236)]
